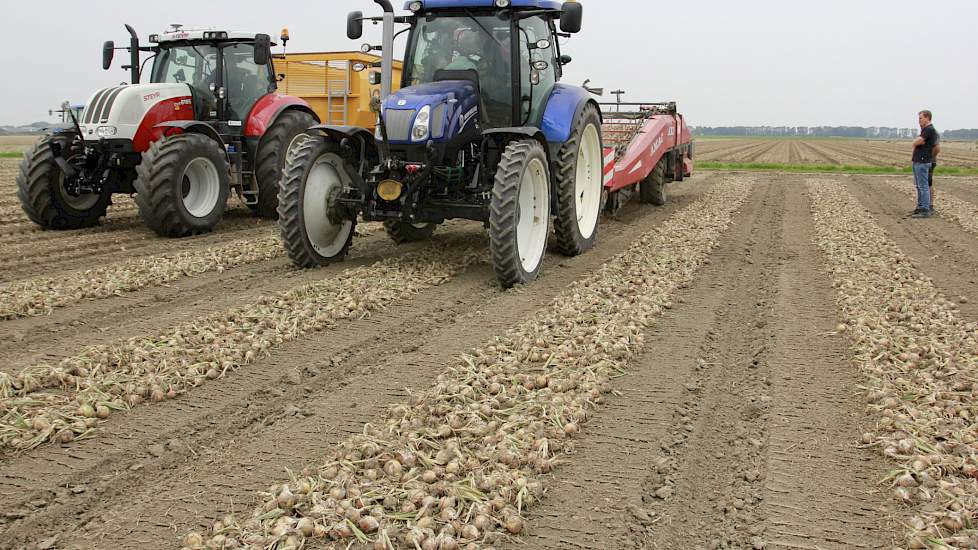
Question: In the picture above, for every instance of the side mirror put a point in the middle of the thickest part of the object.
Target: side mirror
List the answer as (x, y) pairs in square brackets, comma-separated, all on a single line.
[(571, 14), (108, 52), (263, 46), (354, 25), (565, 59)]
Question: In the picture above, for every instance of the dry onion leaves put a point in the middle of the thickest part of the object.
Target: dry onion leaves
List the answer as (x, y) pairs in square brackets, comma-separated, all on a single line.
[(40, 295), (921, 363), (457, 465), (65, 403)]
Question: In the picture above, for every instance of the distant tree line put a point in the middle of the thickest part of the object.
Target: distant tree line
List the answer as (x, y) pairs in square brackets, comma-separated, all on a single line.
[(875, 132)]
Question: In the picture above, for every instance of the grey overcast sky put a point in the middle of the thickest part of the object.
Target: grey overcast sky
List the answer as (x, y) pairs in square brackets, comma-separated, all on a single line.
[(748, 62)]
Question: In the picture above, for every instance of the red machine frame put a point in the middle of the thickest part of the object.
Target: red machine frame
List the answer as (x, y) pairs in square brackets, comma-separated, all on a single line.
[(638, 136)]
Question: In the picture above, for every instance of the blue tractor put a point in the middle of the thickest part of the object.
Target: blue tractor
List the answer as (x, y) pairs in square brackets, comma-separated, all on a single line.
[(481, 129)]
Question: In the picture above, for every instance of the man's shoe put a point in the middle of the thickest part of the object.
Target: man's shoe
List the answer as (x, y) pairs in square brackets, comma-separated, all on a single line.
[(921, 214), (915, 212)]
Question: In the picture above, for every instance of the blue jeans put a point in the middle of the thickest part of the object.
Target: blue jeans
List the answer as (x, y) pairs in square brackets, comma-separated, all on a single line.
[(921, 175)]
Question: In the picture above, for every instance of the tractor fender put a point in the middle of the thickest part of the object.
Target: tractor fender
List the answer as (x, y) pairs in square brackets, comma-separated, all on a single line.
[(364, 145), (192, 127), (562, 108), (268, 108), (520, 132), (363, 137)]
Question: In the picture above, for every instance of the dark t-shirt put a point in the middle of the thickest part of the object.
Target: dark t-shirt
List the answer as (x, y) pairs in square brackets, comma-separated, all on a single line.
[(925, 153)]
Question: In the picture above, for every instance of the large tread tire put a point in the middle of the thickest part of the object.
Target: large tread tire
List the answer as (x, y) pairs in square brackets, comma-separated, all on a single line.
[(403, 232), (679, 172), (652, 190), (271, 156), (160, 185), (39, 189), (291, 206), (505, 213), (571, 240)]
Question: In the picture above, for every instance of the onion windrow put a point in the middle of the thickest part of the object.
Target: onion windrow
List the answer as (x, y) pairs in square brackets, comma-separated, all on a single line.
[(457, 465), (920, 359), (949, 206), (115, 377), (40, 295)]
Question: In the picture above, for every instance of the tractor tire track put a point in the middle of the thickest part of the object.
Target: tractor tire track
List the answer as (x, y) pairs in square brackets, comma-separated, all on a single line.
[(710, 425), (820, 490), (257, 430), (942, 249)]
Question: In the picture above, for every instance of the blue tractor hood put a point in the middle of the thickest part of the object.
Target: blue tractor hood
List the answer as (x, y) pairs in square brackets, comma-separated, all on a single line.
[(452, 104)]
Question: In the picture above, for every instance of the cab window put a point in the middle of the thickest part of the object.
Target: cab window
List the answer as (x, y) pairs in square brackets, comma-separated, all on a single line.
[(244, 81), (536, 84)]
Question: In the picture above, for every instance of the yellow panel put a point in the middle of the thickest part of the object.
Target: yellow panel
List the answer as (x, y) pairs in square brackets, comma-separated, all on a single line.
[(324, 79)]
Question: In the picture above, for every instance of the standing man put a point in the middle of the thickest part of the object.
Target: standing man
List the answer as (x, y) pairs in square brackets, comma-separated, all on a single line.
[(933, 165), (923, 158)]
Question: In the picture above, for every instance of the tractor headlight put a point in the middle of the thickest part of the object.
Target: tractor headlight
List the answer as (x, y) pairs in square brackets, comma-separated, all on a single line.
[(502, 3), (106, 131), (415, 7), (421, 128)]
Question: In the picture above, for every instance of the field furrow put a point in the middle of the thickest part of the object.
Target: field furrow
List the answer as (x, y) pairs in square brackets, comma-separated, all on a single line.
[(65, 402), (918, 357), (365, 363), (39, 296), (539, 381)]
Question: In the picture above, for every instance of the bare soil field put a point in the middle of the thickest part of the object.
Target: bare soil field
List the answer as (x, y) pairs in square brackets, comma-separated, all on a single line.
[(857, 152), (770, 361), (13, 144)]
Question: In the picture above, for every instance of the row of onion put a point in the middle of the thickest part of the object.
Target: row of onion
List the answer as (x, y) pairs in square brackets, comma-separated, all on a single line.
[(920, 361), (65, 402), (458, 464)]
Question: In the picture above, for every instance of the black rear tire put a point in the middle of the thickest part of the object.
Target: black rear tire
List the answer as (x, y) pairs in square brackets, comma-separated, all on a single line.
[(509, 262), (312, 162), (164, 180), (272, 155), (403, 232), (571, 240), (652, 190), (43, 197)]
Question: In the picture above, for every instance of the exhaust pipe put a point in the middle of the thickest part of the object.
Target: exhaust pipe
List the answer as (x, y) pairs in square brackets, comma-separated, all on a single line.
[(133, 54), (387, 50)]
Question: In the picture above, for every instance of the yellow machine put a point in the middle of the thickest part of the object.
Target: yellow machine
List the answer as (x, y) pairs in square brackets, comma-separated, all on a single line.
[(329, 81)]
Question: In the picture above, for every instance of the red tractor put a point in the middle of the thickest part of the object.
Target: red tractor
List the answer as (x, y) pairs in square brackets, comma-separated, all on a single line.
[(208, 121)]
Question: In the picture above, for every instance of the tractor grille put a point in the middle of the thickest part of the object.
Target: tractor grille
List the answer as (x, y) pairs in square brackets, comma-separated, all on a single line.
[(399, 124), (98, 110), (438, 121)]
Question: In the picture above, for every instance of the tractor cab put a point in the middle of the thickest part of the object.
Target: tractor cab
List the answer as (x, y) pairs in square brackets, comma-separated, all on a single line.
[(473, 66), (228, 72)]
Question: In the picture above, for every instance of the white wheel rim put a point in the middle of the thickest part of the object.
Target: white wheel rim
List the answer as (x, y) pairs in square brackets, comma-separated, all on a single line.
[(322, 185), (201, 187), (534, 214), (587, 186)]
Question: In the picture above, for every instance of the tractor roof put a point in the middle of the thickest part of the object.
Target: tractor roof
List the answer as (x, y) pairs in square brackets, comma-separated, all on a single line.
[(442, 4), (201, 35)]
